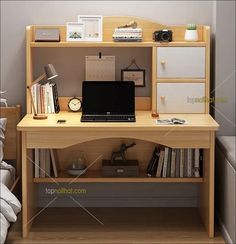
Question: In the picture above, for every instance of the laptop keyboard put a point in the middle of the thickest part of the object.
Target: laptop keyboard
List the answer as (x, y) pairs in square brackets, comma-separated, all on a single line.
[(107, 118)]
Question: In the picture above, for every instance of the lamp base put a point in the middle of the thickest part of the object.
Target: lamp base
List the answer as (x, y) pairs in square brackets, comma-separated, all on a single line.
[(40, 116)]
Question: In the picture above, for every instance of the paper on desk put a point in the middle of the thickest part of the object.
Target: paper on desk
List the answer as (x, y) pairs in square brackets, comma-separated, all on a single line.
[(172, 121)]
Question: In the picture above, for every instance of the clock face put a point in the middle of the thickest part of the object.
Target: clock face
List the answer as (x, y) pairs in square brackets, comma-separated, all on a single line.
[(74, 104)]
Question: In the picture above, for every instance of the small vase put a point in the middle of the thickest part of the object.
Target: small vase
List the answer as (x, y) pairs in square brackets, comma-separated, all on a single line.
[(191, 35)]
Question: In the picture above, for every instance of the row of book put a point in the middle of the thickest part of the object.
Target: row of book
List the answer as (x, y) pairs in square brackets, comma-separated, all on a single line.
[(170, 162), (45, 97), (45, 163)]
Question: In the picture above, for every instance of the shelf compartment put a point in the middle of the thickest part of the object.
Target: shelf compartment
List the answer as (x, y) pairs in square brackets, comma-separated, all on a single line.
[(96, 177)]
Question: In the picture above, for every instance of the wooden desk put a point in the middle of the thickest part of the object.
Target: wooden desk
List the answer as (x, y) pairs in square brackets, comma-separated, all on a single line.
[(198, 133)]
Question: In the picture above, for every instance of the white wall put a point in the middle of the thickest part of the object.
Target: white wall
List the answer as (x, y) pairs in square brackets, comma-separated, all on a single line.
[(225, 67), (16, 15)]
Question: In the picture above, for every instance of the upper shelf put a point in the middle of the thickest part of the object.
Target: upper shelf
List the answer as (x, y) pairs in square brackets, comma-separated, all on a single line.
[(109, 25), (114, 44)]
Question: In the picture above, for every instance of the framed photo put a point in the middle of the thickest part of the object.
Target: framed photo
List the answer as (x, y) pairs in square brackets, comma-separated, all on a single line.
[(136, 75), (74, 32), (93, 25)]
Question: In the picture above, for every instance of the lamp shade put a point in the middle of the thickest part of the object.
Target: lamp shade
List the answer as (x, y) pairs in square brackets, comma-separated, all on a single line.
[(50, 71)]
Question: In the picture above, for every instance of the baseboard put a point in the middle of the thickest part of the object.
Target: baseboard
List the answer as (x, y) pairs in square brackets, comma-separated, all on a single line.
[(224, 231)]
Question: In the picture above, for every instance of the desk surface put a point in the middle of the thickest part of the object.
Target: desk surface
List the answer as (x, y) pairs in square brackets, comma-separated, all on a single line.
[(144, 122)]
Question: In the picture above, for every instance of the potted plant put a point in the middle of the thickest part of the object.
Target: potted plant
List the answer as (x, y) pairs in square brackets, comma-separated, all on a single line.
[(191, 33)]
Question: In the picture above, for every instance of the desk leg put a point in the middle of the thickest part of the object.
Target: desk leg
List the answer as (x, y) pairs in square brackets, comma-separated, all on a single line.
[(206, 205), (28, 189)]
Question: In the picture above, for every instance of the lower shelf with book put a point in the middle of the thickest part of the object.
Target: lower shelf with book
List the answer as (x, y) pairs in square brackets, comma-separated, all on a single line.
[(163, 165)]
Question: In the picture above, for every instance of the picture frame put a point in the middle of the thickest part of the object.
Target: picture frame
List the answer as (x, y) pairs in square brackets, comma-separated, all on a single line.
[(93, 27), (74, 32), (136, 75)]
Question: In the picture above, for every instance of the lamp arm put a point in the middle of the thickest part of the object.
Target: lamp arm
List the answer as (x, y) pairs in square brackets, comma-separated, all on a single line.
[(41, 77)]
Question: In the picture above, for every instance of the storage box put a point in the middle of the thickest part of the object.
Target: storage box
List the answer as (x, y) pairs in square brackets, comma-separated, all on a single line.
[(120, 169)]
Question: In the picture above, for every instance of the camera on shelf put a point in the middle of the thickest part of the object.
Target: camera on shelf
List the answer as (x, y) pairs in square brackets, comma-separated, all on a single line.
[(162, 36)]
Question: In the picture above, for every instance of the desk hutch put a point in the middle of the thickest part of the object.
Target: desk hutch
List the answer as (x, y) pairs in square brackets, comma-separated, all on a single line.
[(179, 70)]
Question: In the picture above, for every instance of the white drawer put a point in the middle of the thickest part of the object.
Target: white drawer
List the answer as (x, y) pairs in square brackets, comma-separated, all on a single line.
[(181, 62), (180, 97)]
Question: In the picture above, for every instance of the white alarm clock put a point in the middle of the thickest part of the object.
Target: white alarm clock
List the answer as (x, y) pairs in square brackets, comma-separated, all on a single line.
[(74, 104)]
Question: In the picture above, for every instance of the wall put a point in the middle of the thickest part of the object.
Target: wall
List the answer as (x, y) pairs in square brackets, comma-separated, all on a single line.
[(225, 67), (16, 15)]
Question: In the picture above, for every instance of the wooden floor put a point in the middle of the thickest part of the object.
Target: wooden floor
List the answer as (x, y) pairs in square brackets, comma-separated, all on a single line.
[(118, 225)]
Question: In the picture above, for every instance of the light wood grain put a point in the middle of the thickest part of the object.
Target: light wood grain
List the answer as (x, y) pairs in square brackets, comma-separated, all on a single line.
[(96, 177), (121, 225), (144, 122), (206, 201), (141, 103), (28, 189), (181, 80), (207, 38)]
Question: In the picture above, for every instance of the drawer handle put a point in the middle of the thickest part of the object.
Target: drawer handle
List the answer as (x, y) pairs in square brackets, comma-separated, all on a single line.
[(163, 98), (163, 62)]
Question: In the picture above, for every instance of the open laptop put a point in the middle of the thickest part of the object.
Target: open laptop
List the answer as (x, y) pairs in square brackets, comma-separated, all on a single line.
[(108, 101)]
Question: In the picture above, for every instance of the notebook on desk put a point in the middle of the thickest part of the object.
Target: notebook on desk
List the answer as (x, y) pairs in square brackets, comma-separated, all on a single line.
[(108, 101)]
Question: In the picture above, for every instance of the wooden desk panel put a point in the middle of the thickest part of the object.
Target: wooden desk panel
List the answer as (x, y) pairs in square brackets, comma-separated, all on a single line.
[(198, 133)]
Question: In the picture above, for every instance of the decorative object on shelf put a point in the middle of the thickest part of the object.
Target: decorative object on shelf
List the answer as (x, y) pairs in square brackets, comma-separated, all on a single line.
[(78, 165), (100, 68), (136, 75), (128, 33), (191, 33), (93, 26), (50, 73), (47, 35), (74, 104), (132, 24), (119, 166), (3, 100), (74, 32), (119, 156), (162, 36)]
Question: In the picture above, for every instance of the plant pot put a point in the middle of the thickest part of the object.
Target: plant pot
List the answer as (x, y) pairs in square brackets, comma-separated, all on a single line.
[(191, 35)]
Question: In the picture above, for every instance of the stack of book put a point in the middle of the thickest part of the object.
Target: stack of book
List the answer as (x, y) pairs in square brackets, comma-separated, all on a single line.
[(170, 162), (45, 98), (127, 35), (44, 163)]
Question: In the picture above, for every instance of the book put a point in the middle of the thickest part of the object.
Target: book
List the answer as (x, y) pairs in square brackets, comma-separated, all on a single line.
[(169, 163), (42, 163), (55, 98), (189, 162), (160, 163), (51, 100), (177, 165), (54, 166), (155, 163), (164, 171), (36, 163), (196, 168), (47, 163), (173, 162), (181, 160), (151, 162)]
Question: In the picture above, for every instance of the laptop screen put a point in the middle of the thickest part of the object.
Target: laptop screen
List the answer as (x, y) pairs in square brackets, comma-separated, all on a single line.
[(108, 97)]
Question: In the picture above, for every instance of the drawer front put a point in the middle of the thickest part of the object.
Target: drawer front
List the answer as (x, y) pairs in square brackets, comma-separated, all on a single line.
[(181, 62), (180, 97)]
